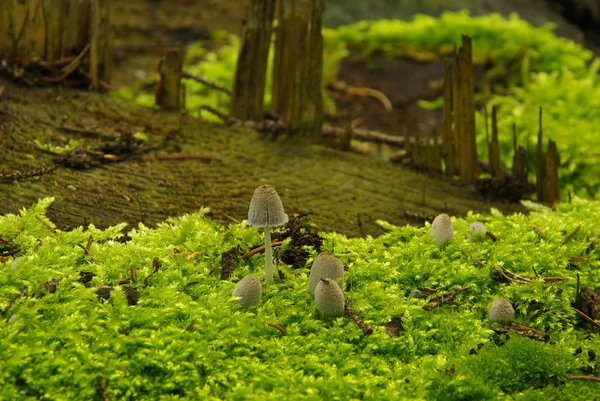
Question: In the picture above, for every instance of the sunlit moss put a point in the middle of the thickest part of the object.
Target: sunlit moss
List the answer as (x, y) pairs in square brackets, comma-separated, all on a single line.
[(54, 345)]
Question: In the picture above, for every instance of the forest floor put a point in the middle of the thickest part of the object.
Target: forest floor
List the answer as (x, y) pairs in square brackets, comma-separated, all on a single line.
[(341, 191)]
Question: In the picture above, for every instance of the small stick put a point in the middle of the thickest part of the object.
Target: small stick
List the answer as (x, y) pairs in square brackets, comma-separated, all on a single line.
[(261, 249), (213, 270), (492, 236), (571, 234), (529, 332), (278, 327), (189, 157), (587, 318), (45, 224), (102, 387), (577, 259), (367, 330), (590, 378), (134, 274), (206, 82), (553, 279), (539, 230), (535, 271), (156, 264), (66, 71), (126, 281), (11, 252)]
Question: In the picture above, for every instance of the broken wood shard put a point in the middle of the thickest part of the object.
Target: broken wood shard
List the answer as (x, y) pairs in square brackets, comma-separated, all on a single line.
[(251, 70)]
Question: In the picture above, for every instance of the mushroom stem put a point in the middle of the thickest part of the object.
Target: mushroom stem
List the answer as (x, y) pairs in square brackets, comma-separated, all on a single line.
[(268, 256)]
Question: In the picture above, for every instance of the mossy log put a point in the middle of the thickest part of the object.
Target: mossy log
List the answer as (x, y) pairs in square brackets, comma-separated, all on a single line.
[(332, 186)]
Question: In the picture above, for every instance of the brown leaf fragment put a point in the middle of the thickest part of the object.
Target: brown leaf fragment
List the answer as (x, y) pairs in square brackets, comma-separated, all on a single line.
[(394, 326), (229, 262)]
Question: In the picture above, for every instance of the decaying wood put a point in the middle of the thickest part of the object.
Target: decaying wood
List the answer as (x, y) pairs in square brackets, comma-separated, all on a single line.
[(55, 30), (551, 191), (251, 69), (494, 148), (445, 298), (464, 113), (168, 93), (350, 312), (540, 165), (447, 129), (298, 65)]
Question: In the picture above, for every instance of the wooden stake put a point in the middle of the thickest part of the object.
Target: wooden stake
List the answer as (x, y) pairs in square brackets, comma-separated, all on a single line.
[(251, 70), (447, 129), (168, 93), (540, 163), (494, 149), (551, 190), (298, 65)]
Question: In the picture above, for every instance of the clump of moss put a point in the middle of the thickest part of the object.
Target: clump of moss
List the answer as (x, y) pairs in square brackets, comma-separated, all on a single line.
[(182, 339)]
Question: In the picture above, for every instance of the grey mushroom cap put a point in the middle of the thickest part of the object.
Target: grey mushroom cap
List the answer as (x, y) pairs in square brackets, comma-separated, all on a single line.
[(442, 229), (248, 290), (325, 266), (266, 209), (329, 298), (501, 311)]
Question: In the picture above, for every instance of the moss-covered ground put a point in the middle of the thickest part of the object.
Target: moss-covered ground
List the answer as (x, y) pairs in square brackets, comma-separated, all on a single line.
[(183, 339)]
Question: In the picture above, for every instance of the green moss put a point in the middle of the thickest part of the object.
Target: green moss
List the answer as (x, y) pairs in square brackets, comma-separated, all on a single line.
[(54, 346)]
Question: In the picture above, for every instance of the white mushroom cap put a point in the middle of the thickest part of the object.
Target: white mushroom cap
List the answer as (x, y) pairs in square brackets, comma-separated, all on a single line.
[(478, 229), (442, 230), (248, 290), (329, 298), (325, 266), (266, 208), (501, 311)]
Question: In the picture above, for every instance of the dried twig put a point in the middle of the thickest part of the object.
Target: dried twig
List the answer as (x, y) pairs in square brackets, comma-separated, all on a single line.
[(45, 224), (539, 230), (17, 175), (367, 330), (261, 249), (189, 157), (587, 318), (156, 264), (445, 298), (528, 332), (590, 378), (68, 70), (206, 82), (571, 234), (278, 327), (102, 388)]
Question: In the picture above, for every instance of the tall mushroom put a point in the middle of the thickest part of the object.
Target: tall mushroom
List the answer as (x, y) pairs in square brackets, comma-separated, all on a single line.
[(266, 211)]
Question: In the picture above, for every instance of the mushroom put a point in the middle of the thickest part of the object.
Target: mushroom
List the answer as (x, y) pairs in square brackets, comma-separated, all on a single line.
[(442, 230), (248, 290), (501, 311), (329, 298), (325, 266), (478, 231), (266, 211)]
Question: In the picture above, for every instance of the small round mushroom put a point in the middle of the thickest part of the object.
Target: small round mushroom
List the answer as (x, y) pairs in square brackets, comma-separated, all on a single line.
[(266, 210), (325, 266), (248, 290), (329, 298), (501, 311), (478, 231), (442, 230)]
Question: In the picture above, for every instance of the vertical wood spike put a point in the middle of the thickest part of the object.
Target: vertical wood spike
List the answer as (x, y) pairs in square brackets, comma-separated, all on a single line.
[(495, 162), (251, 70), (540, 163), (447, 119), (552, 161), (168, 95)]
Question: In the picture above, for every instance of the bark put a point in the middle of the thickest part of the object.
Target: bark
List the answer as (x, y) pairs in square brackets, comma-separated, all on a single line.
[(251, 70)]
